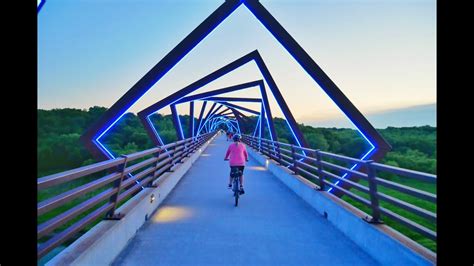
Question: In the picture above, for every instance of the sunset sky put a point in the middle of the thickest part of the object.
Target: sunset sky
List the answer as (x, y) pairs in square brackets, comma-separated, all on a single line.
[(381, 54)]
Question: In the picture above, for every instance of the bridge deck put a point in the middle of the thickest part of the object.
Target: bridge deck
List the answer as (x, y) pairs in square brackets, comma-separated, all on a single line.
[(198, 224)]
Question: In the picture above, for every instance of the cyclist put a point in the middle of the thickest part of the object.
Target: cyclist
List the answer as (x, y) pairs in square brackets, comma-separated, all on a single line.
[(238, 156)]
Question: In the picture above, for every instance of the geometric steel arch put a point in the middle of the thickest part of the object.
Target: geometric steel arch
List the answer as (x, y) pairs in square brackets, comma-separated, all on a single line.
[(221, 100), (91, 138), (252, 56), (233, 108)]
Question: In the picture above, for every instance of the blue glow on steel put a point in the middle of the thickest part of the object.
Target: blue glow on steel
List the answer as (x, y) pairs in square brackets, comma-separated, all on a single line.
[(40, 4), (211, 117), (257, 126), (100, 145), (158, 77), (354, 166), (154, 129), (268, 124), (179, 124), (103, 148), (318, 82), (238, 126), (363, 157), (111, 125)]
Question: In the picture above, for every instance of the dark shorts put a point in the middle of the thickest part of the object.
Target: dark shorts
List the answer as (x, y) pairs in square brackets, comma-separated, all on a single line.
[(241, 168)]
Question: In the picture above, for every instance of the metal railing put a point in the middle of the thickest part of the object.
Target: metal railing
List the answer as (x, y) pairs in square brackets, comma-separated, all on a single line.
[(121, 184), (320, 167)]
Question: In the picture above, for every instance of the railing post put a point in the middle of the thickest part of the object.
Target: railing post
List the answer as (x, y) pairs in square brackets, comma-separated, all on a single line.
[(278, 153), (172, 158), (295, 162), (320, 169), (260, 145), (183, 153), (157, 155), (195, 144), (273, 151), (111, 215), (186, 151), (374, 200)]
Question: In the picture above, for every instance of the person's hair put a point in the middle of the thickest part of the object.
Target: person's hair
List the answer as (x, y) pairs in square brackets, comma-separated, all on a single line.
[(236, 137)]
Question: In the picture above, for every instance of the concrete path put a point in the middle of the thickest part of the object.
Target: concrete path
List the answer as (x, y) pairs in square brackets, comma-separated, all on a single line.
[(198, 224)]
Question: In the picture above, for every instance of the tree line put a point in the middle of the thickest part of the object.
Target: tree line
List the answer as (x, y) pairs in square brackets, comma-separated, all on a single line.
[(59, 130)]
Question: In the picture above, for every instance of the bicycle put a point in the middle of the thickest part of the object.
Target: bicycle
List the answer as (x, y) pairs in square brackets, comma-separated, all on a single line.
[(235, 174)]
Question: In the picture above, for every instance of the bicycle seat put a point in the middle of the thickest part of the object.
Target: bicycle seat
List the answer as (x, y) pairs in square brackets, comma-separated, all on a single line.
[(235, 173)]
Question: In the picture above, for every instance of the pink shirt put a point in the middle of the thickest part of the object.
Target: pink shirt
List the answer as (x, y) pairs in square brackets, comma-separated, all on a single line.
[(238, 154)]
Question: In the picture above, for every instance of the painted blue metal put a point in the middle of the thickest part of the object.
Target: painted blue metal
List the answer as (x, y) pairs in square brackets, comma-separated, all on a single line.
[(176, 122), (319, 76), (242, 86), (112, 115), (40, 5), (239, 99), (200, 116), (191, 119)]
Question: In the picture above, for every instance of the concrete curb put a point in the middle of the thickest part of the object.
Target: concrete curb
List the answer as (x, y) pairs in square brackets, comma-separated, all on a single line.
[(397, 248), (105, 241)]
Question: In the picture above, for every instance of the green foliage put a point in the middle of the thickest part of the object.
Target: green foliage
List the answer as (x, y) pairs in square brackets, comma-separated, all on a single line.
[(59, 130), (59, 147), (412, 148)]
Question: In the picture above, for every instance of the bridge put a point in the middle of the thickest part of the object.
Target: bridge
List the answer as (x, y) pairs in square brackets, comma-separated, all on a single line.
[(168, 205), (183, 214)]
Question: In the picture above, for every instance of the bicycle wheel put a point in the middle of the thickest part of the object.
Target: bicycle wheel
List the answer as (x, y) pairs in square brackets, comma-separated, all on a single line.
[(236, 194), (236, 191)]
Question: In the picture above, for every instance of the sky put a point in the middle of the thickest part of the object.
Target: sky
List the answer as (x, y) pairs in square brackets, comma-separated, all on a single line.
[(381, 54)]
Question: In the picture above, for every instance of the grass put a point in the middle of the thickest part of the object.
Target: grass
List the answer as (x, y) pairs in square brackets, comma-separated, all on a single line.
[(419, 238), (424, 186), (56, 190), (422, 240)]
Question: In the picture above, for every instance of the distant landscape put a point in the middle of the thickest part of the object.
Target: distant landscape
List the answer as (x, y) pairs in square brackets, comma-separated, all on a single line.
[(419, 115), (59, 148)]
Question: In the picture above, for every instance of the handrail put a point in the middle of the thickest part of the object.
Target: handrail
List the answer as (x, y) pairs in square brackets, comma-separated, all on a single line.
[(312, 166), (124, 178)]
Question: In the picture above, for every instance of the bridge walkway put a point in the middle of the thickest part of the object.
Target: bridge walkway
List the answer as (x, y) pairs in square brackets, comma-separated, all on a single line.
[(197, 224)]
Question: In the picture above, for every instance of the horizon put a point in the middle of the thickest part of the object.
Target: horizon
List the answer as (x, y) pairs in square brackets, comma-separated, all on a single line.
[(336, 123)]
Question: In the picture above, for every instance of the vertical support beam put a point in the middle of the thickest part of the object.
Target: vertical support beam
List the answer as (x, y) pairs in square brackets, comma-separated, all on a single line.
[(111, 215), (257, 126), (262, 128), (200, 117), (320, 170), (191, 119), (267, 109), (176, 122), (374, 200), (156, 155), (278, 154), (295, 161)]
